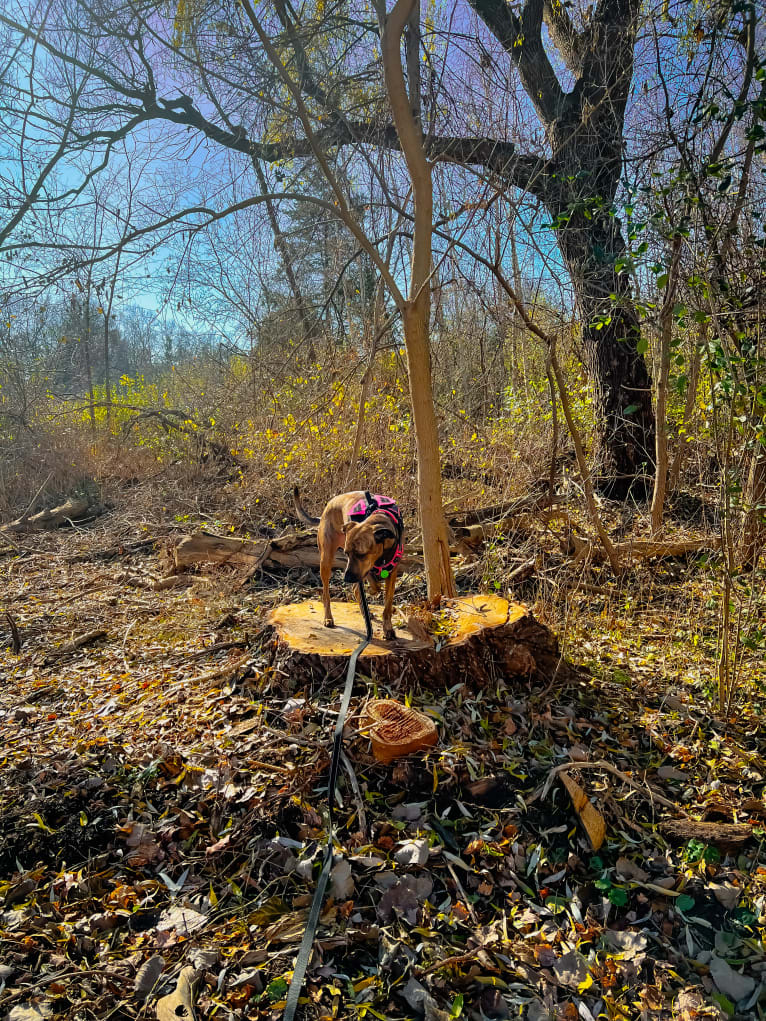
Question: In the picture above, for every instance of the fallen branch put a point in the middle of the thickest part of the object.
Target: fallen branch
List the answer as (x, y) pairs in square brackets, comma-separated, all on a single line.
[(77, 643), (69, 512), (15, 637), (645, 549), (725, 836), (465, 518), (607, 767)]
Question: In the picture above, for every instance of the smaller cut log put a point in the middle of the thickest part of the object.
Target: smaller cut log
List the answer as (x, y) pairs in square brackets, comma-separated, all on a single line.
[(728, 837), (204, 548), (396, 730), (480, 639)]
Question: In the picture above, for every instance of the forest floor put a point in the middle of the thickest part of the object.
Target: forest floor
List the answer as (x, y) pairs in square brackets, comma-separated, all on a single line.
[(162, 796)]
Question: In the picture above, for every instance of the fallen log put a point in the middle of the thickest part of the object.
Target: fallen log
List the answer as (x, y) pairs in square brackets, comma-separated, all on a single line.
[(299, 549), (72, 510), (487, 638), (643, 549), (296, 550)]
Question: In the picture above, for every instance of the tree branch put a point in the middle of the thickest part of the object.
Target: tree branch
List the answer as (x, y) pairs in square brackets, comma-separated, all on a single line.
[(521, 38), (570, 43)]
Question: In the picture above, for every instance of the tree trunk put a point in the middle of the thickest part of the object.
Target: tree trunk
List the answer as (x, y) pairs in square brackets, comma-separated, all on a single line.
[(486, 639), (663, 381), (416, 312), (625, 436), (88, 365), (753, 537), (432, 522)]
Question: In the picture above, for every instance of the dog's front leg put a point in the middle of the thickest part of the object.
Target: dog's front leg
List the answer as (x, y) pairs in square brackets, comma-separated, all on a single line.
[(388, 607)]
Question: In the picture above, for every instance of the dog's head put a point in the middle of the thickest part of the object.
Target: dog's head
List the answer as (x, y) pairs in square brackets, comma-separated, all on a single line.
[(365, 543)]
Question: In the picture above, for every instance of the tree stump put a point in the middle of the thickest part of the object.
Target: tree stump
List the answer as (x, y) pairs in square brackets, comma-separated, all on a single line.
[(479, 639)]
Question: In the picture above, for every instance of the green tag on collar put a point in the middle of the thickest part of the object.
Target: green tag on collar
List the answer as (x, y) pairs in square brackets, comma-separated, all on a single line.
[(384, 574)]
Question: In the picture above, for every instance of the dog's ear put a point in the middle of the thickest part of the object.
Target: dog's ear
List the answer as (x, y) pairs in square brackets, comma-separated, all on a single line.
[(384, 532), (347, 526)]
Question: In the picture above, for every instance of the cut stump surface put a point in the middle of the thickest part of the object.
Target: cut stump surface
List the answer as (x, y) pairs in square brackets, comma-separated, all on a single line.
[(484, 637)]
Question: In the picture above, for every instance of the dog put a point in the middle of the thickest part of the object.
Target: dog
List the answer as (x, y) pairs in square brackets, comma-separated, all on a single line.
[(370, 531)]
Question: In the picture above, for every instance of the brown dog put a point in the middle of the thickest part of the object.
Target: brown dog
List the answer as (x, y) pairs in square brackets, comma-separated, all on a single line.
[(369, 530)]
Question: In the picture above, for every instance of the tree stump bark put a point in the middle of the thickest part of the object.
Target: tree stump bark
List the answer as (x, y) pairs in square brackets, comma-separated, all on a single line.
[(480, 639)]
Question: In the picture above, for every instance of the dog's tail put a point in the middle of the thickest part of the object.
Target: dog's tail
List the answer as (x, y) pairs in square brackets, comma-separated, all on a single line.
[(299, 510)]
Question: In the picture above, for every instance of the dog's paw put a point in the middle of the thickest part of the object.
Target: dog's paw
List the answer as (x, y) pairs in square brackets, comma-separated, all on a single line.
[(389, 634), (329, 622)]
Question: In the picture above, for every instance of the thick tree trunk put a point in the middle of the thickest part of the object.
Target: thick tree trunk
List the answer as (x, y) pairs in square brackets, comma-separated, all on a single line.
[(611, 333)]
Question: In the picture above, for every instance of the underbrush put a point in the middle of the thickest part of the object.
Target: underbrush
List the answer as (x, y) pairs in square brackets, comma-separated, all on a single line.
[(303, 430)]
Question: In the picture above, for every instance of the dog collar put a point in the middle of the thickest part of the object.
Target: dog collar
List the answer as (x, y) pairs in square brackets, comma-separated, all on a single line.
[(362, 510)]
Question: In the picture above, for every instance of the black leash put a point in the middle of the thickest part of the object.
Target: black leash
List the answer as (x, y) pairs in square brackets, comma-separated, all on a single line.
[(307, 943)]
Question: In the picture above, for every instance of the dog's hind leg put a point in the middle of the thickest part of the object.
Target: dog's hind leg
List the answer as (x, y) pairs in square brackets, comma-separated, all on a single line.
[(326, 556)]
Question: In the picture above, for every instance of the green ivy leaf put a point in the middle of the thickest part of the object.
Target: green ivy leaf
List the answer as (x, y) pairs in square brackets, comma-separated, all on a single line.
[(685, 902), (276, 990), (618, 896)]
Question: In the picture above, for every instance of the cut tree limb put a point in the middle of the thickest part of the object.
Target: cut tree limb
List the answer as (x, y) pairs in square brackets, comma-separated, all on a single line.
[(88, 638), (299, 549), (296, 550)]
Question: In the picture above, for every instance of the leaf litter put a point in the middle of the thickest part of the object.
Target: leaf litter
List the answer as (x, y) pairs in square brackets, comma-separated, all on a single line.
[(162, 819)]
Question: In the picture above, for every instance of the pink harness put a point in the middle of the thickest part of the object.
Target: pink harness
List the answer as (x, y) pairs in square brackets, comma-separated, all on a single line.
[(362, 509)]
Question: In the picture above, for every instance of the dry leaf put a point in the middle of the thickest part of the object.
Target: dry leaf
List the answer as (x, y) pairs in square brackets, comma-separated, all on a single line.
[(147, 975), (341, 880), (183, 920), (731, 983), (571, 969), (727, 894), (590, 817), (628, 869), (29, 1012), (179, 1003)]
